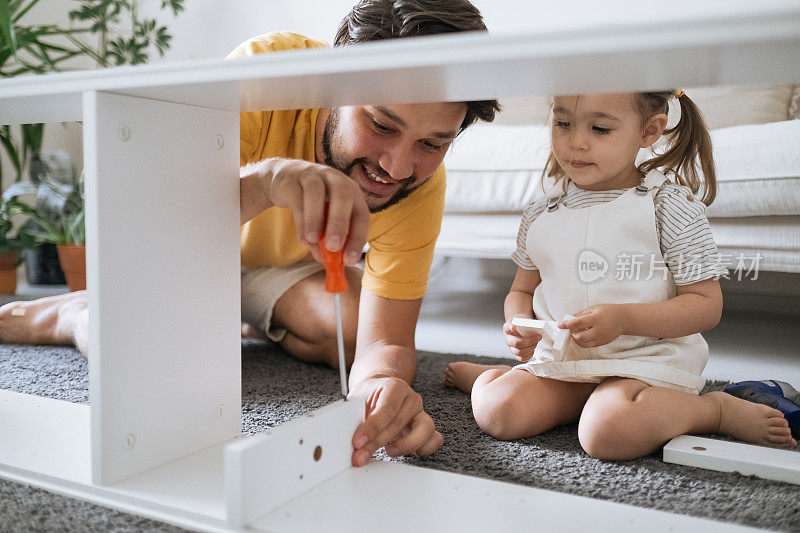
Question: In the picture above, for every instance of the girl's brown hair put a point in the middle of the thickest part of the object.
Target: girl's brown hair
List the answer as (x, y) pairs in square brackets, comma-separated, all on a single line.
[(688, 142)]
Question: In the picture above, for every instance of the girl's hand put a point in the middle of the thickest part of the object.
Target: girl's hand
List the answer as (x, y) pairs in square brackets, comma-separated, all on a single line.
[(521, 346), (596, 325)]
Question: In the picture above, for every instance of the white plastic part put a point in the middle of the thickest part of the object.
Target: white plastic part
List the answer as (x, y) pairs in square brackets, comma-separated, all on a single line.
[(545, 328), (726, 456), (268, 470)]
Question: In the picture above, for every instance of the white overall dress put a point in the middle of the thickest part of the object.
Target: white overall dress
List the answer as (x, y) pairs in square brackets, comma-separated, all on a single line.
[(569, 247)]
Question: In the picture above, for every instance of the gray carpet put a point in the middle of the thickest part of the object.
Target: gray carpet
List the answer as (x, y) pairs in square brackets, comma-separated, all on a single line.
[(277, 388)]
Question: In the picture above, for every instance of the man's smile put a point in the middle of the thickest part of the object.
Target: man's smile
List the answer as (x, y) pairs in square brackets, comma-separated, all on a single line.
[(372, 183)]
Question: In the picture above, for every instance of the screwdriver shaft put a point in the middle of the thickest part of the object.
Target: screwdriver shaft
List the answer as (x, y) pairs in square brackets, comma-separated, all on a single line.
[(340, 340)]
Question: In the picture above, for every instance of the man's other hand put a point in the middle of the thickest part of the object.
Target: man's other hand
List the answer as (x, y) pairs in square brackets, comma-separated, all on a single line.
[(393, 418)]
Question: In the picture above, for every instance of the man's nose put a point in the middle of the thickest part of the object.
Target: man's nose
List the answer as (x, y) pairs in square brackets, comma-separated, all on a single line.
[(398, 161)]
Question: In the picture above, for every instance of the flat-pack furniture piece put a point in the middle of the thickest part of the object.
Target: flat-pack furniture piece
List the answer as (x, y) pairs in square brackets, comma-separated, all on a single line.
[(162, 434)]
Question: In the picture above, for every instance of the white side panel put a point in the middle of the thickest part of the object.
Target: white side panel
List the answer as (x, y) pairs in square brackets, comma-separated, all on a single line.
[(726, 456), (268, 470), (162, 201), (393, 497), (50, 437)]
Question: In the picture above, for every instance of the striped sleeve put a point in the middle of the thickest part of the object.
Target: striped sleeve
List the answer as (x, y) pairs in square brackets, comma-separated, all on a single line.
[(520, 255), (686, 241)]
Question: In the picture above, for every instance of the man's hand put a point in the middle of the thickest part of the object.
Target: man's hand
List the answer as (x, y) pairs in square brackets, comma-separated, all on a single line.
[(305, 188), (394, 417), (520, 346), (596, 325)]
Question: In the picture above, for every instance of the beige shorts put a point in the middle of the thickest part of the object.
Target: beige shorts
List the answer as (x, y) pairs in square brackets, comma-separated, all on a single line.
[(261, 289)]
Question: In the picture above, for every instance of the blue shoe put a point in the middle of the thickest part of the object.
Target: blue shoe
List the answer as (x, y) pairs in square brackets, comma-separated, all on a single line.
[(776, 394)]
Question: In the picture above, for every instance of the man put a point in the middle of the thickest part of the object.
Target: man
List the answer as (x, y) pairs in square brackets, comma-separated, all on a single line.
[(378, 169)]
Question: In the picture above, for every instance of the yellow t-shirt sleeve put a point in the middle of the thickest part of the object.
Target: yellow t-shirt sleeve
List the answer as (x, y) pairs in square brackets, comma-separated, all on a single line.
[(399, 259), (254, 127)]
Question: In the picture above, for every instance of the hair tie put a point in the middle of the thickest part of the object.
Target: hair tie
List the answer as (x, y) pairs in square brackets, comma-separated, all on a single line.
[(678, 93)]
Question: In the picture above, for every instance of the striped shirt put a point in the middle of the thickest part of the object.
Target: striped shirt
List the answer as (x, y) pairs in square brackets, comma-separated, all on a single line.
[(684, 233)]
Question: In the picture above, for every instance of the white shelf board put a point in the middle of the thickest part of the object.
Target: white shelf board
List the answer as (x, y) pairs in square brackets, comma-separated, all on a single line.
[(726, 456), (393, 497), (728, 49), (29, 424), (381, 496)]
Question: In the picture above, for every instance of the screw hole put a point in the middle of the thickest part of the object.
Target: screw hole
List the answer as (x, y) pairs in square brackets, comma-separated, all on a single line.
[(317, 453), (699, 448)]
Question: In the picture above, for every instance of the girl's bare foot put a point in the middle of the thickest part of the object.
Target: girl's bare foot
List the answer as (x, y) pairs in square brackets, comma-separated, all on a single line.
[(463, 374), (44, 321), (752, 422)]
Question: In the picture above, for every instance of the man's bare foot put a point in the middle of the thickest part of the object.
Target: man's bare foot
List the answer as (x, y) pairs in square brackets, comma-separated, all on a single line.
[(254, 332), (752, 422), (44, 321), (462, 374)]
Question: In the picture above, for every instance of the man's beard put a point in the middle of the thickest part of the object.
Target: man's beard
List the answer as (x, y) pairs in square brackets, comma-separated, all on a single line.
[(347, 168)]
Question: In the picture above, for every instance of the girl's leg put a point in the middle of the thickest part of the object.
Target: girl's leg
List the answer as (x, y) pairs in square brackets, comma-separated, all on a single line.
[(626, 418), (511, 404)]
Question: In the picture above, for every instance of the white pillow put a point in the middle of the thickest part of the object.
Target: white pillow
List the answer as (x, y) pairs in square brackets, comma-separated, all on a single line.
[(732, 106)]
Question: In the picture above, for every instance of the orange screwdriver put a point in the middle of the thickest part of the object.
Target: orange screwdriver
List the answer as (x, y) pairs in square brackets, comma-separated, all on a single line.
[(336, 283)]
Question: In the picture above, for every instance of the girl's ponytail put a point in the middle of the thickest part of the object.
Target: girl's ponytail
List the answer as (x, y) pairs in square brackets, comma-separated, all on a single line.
[(689, 143)]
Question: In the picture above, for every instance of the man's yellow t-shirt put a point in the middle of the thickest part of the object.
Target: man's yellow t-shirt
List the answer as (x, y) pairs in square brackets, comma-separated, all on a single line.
[(401, 238)]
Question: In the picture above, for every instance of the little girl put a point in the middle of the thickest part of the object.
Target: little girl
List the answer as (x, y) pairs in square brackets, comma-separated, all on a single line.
[(629, 253)]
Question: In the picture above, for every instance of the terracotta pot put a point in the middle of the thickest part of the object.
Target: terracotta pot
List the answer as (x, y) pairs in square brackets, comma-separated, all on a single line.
[(8, 272), (73, 263)]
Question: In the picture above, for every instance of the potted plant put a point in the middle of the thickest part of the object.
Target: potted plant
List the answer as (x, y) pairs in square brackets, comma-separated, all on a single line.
[(57, 218), (12, 240), (121, 36)]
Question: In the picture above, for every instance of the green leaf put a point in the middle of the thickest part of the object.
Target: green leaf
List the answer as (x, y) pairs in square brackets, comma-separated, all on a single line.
[(21, 12)]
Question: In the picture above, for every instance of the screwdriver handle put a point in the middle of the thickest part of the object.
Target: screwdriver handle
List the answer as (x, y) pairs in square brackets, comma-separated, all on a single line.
[(335, 281)]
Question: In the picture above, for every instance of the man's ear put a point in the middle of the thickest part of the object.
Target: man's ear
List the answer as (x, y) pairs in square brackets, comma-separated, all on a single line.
[(653, 129)]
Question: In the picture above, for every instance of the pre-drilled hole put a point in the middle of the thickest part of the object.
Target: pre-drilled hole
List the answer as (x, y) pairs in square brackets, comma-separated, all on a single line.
[(317, 453), (698, 448)]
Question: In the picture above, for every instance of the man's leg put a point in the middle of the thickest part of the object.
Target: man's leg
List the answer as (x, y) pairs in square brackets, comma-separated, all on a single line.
[(290, 306), (308, 315), (61, 319)]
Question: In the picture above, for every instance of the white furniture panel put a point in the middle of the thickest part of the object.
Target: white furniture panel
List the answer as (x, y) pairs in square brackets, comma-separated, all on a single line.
[(695, 51), (394, 497), (162, 204), (268, 470), (43, 435), (726, 456)]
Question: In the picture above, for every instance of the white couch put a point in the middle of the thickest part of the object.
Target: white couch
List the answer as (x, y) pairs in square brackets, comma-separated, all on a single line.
[(494, 171)]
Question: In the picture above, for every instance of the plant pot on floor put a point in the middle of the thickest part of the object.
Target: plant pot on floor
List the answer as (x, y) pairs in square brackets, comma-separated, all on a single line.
[(73, 263), (8, 272), (42, 266)]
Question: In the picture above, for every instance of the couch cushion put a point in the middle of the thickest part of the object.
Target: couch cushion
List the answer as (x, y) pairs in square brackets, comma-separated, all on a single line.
[(721, 106), (496, 168), (770, 243), (731, 106)]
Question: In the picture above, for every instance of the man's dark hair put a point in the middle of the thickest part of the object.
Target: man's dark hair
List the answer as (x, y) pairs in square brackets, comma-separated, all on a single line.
[(373, 20)]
